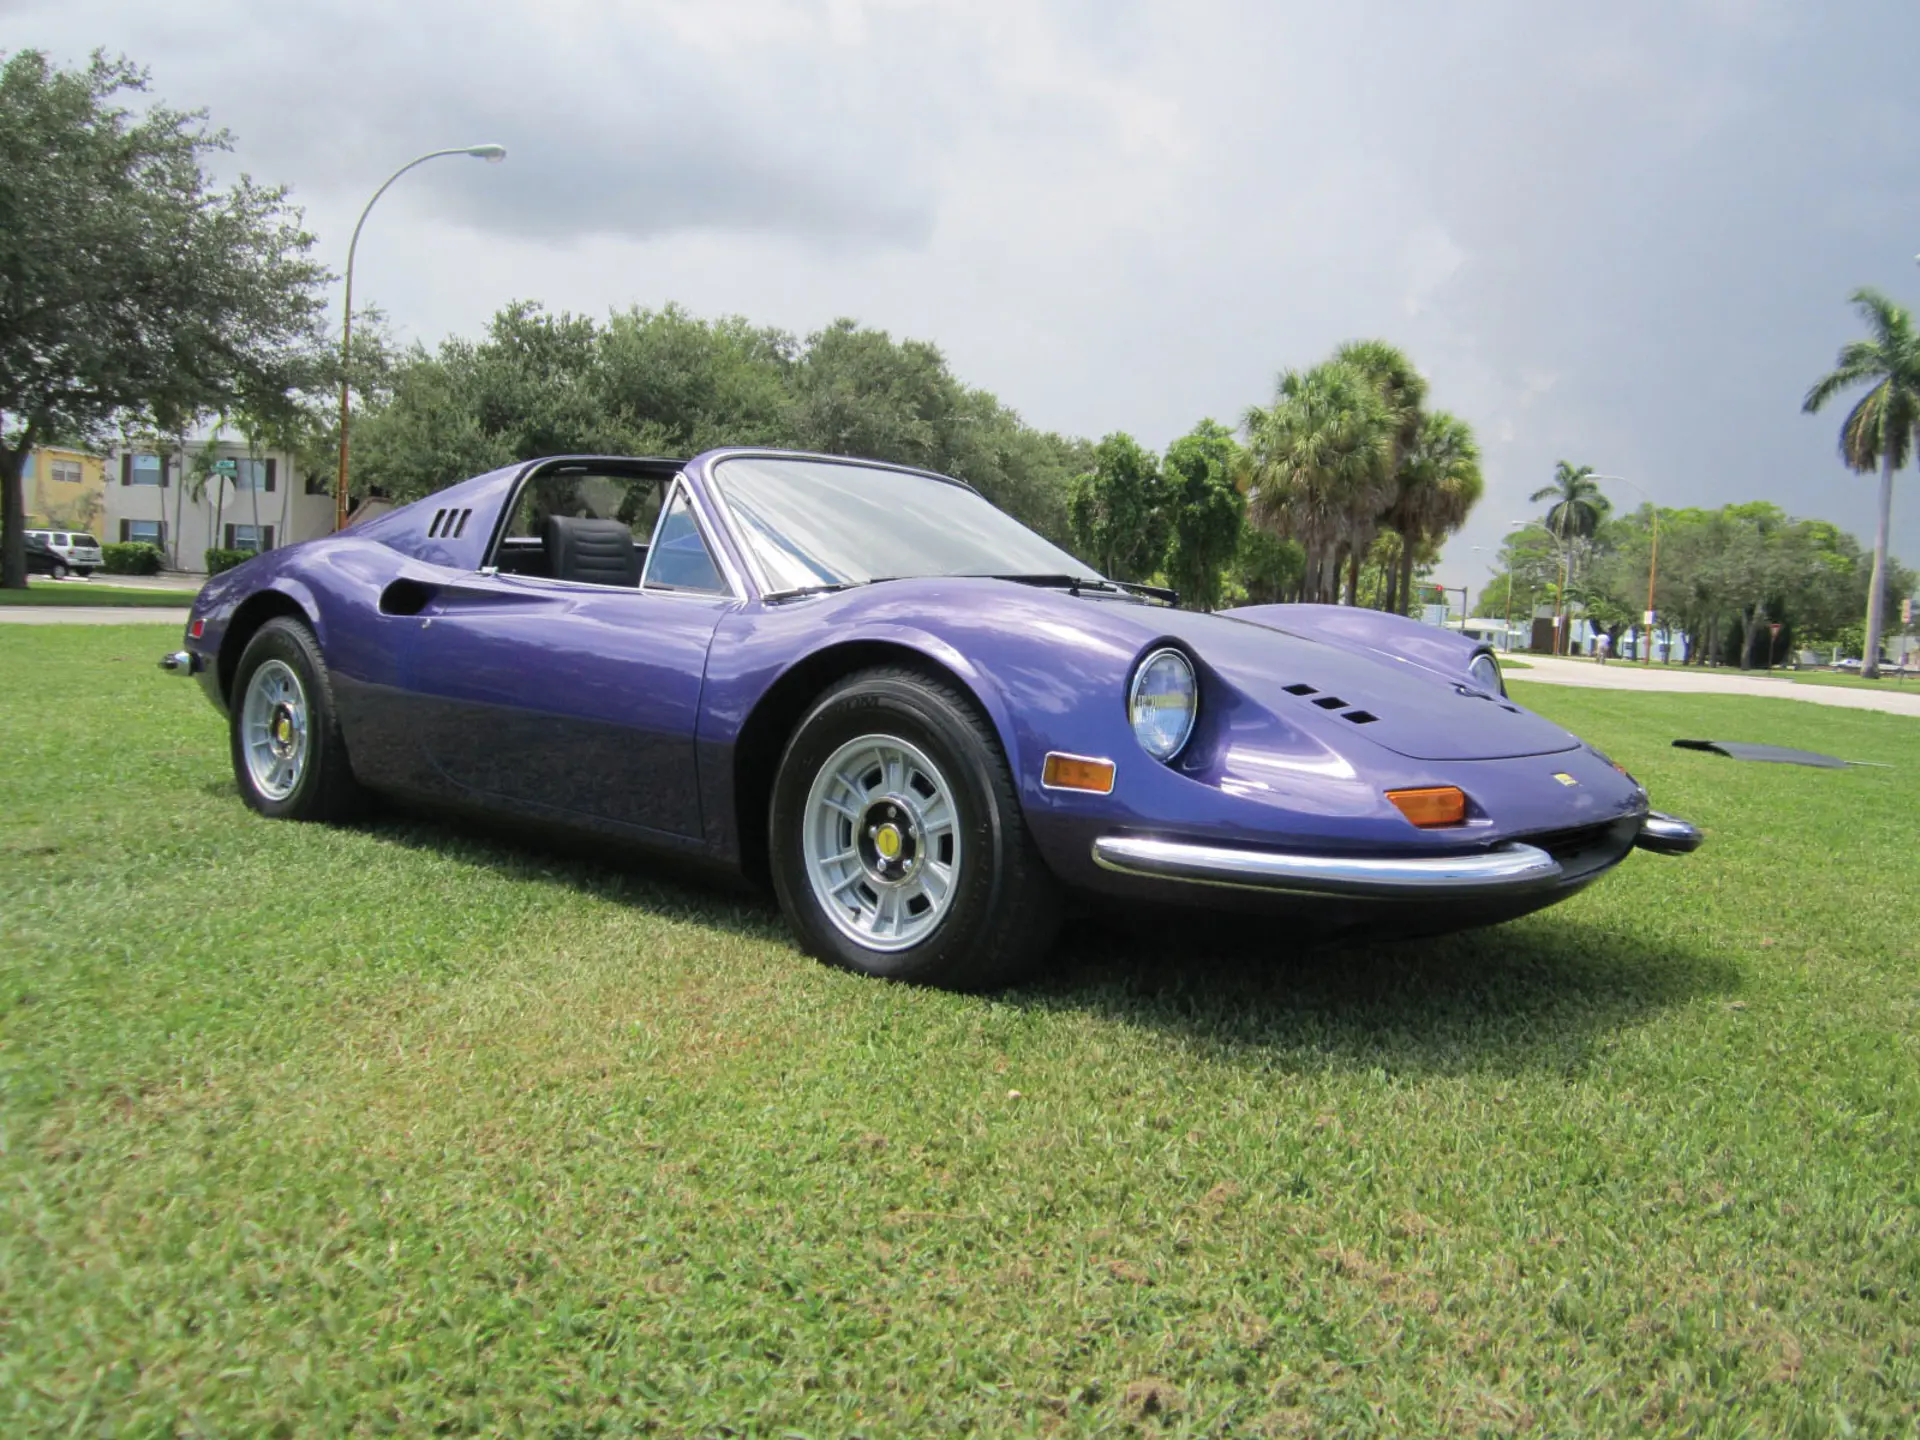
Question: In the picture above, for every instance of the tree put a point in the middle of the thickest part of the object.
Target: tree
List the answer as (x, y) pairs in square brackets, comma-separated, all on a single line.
[(1575, 512), (1320, 458), (1207, 512), (1403, 390), (1438, 484), (1117, 511), (1266, 568), (1879, 430), (132, 290)]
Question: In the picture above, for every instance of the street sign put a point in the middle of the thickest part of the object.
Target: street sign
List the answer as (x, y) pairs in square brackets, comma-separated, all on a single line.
[(1906, 610), (1647, 619), (225, 467), (1775, 628)]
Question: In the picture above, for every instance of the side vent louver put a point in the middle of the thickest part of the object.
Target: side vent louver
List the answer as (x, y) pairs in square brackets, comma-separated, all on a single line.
[(1299, 689), (1360, 717), (448, 524), (1331, 702)]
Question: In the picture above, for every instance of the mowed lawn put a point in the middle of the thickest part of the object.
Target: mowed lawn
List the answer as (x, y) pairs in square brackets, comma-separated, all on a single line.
[(408, 1130), (90, 593)]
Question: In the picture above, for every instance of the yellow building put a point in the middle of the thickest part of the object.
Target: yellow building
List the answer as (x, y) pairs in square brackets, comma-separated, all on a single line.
[(65, 490)]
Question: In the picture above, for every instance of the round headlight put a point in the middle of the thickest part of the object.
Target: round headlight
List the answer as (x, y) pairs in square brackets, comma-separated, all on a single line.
[(1485, 671), (1162, 703)]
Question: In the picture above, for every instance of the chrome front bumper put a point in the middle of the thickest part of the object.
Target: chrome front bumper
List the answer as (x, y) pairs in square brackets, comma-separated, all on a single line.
[(1511, 869), (1668, 835)]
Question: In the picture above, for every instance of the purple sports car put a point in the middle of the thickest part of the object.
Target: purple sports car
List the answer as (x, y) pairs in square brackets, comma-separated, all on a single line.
[(924, 724)]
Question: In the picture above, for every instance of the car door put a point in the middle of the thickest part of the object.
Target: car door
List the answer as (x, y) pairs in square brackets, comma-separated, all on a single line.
[(564, 699)]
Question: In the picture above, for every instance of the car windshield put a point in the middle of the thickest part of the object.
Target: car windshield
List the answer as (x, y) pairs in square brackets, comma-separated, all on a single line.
[(817, 522)]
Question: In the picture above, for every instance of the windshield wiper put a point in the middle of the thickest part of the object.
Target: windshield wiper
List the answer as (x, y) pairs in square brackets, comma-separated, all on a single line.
[(1074, 584)]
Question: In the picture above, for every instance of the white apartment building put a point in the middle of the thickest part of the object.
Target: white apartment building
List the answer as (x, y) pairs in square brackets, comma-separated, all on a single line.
[(252, 500)]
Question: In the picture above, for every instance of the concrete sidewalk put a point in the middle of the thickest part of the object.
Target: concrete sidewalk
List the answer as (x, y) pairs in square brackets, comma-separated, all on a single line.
[(1680, 680), (93, 615)]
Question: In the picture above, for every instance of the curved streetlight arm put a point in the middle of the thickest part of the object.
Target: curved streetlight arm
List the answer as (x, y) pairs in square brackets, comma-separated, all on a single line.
[(481, 152)]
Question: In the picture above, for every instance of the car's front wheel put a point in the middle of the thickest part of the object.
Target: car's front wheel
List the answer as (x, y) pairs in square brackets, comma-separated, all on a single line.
[(59, 571), (898, 845), (288, 753)]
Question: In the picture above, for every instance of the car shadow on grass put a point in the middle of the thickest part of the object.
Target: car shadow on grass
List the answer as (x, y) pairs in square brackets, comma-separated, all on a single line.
[(1550, 990)]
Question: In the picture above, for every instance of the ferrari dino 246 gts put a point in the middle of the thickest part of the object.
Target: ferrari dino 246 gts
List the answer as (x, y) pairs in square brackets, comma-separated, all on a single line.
[(925, 724)]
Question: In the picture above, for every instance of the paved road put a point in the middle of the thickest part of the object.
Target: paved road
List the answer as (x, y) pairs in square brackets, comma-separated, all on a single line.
[(92, 615), (1620, 675)]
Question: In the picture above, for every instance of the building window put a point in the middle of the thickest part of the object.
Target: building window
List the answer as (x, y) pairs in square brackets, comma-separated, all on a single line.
[(64, 472), (144, 532), (253, 474), (142, 470), (250, 537), (319, 483)]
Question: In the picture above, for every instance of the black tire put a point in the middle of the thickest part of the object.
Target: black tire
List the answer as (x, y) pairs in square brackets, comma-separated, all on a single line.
[(1002, 912), (59, 571), (324, 789)]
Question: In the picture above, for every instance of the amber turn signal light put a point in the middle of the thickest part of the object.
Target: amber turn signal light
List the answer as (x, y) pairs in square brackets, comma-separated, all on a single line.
[(1076, 772), (1433, 805)]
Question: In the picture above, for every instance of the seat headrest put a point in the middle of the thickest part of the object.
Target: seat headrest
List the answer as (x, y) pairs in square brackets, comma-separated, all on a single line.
[(596, 552)]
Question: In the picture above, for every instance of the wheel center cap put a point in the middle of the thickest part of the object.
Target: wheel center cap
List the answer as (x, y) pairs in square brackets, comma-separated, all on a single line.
[(281, 729), (889, 841)]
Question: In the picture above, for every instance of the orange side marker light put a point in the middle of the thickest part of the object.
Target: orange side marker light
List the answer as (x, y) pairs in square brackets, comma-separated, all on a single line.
[(1077, 772), (1431, 805)]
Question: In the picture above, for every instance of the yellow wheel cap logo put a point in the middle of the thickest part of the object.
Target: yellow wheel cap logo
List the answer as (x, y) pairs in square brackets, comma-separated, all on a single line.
[(887, 842), (1564, 778)]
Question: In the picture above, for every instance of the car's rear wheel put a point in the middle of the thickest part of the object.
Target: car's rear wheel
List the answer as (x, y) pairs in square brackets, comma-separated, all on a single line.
[(898, 846), (288, 754)]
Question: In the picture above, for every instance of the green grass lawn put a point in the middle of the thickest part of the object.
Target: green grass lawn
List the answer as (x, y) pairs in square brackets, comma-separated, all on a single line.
[(95, 592), (1856, 682), (407, 1130), (1506, 664)]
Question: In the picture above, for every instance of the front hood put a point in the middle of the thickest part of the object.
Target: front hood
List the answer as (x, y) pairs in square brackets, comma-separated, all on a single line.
[(1396, 703), (1335, 693)]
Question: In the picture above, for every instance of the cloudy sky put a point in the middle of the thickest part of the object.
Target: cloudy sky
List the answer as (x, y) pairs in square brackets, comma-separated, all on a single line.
[(1618, 234)]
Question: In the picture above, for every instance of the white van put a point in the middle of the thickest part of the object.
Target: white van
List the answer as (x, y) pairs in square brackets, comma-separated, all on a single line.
[(75, 550)]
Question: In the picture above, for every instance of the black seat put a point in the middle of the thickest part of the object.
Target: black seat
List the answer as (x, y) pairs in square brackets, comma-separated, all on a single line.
[(596, 552)]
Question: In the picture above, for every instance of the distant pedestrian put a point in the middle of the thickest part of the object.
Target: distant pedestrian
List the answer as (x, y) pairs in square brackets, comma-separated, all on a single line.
[(1601, 644)]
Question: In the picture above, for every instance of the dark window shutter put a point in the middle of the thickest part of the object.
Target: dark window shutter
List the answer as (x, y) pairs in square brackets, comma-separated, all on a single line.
[(272, 466), (126, 468), (163, 535), (126, 531), (266, 533), (229, 544), (164, 467)]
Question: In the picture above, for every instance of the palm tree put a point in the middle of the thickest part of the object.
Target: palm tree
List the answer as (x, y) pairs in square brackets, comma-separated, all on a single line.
[(1319, 458), (1403, 390), (1439, 484), (1575, 513), (1880, 428)]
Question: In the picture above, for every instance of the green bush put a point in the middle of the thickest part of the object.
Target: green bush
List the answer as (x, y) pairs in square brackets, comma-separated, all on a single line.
[(138, 558), (218, 560)]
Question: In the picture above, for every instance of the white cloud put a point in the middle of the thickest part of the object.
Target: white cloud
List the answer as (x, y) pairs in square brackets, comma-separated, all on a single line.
[(1590, 226)]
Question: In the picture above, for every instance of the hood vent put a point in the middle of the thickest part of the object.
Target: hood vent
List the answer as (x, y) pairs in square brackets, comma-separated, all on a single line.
[(1332, 702)]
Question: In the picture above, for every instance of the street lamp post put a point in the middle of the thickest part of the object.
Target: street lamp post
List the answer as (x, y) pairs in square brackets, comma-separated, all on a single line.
[(1506, 621), (1653, 562), (491, 153)]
